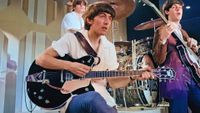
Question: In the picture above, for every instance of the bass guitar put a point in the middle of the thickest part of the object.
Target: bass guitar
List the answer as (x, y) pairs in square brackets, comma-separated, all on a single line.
[(45, 87), (186, 54)]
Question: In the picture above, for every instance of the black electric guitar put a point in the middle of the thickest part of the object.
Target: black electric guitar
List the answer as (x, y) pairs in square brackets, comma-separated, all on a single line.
[(187, 56), (44, 86)]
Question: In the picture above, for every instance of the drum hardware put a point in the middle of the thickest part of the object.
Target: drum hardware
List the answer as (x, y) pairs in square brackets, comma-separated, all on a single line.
[(122, 43), (122, 52), (144, 46), (126, 97), (140, 88), (163, 103), (140, 65), (129, 67), (123, 49), (129, 52), (134, 54)]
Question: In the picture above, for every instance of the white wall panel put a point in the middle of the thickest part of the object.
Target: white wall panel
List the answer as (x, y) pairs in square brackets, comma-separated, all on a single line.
[(42, 12)]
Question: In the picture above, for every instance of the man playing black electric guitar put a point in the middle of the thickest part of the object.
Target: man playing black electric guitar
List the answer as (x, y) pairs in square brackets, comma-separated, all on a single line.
[(98, 19)]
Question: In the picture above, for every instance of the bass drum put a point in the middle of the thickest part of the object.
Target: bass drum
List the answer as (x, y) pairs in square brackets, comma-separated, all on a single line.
[(146, 89), (139, 92), (128, 96)]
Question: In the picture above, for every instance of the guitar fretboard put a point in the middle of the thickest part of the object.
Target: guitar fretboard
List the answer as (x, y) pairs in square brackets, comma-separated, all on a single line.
[(102, 74)]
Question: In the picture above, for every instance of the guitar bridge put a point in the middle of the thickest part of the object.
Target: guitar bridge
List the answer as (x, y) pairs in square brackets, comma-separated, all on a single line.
[(45, 81)]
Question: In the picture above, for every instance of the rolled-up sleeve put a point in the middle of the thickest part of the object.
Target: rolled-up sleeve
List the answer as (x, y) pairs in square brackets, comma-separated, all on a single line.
[(61, 46)]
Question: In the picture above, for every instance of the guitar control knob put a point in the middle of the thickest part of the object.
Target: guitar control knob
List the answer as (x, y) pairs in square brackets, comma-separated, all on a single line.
[(47, 101), (86, 89), (83, 62), (41, 90), (34, 93), (40, 97)]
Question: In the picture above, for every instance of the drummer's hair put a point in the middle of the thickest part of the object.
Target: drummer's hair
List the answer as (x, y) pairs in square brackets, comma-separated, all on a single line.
[(78, 2), (169, 3), (95, 9)]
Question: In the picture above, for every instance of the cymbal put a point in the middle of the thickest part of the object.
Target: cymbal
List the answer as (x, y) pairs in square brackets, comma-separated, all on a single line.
[(122, 43), (149, 24), (123, 8)]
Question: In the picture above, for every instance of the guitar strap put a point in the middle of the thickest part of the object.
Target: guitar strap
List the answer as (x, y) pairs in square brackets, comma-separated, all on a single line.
[(84, 43)]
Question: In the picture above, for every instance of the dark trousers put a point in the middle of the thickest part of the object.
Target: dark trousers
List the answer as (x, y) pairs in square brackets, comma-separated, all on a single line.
[(91, 102), (185, 99)]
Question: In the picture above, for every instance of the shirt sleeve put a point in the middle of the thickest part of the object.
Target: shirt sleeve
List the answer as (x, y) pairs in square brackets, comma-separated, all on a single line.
[(159, 49), (113, 57), (71, 21), (62, 46)]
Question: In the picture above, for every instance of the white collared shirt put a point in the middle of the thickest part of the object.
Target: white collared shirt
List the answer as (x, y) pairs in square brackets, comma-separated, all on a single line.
[(68, 44), (71, 20)]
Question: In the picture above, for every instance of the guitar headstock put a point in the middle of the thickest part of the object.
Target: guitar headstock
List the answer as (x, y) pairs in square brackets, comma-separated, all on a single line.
[(148, 3), (164, 73)]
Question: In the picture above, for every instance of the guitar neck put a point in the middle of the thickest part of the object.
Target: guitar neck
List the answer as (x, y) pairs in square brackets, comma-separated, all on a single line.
[(105, 74), (163, 73)]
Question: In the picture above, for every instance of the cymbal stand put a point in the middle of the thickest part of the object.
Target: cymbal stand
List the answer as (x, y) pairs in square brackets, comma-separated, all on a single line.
[(133, 43)]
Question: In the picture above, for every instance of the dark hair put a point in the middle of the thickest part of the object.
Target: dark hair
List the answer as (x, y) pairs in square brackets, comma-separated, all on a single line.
[(169, 3), (78, 2), (95, 9)]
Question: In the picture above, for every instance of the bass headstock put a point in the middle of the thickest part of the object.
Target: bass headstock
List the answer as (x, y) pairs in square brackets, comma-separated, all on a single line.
[(164, 73)]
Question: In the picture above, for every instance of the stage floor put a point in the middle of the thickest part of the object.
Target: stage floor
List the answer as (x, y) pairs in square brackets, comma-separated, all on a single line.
[(121, 110), (143, 110)]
